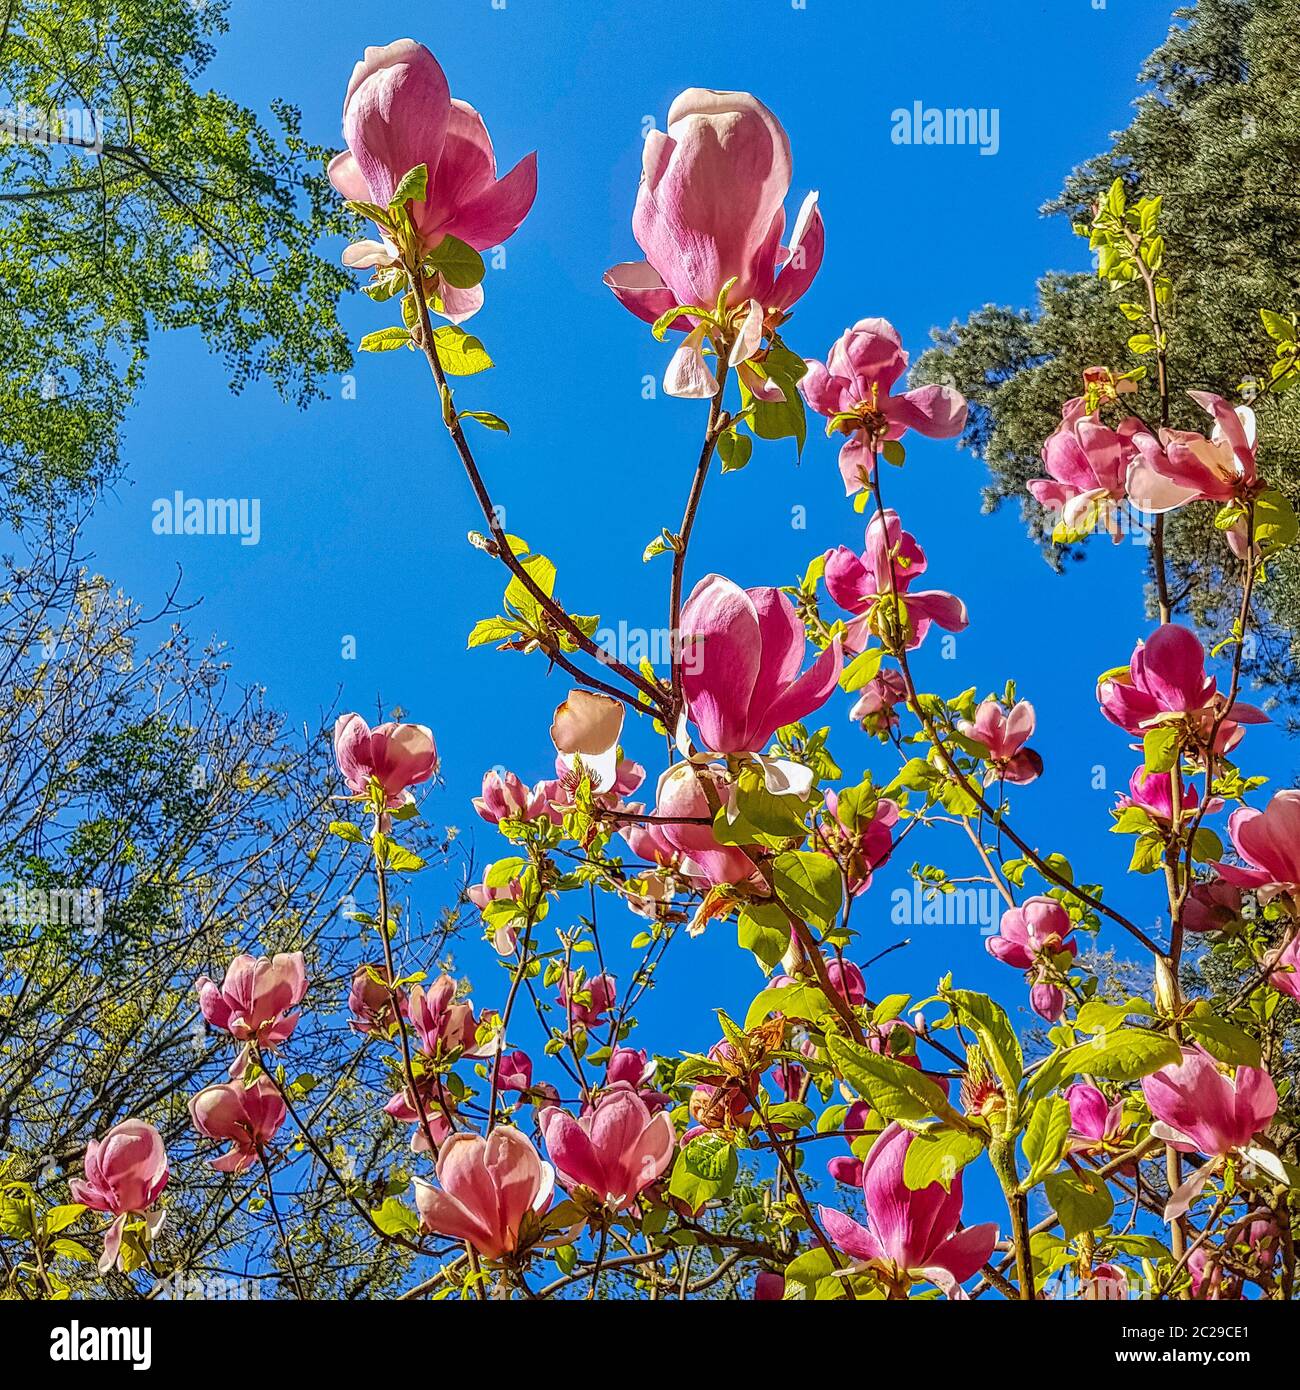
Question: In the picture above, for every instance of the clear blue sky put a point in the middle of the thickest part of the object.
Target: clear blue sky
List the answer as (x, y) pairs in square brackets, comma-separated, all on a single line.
[(364, 510)]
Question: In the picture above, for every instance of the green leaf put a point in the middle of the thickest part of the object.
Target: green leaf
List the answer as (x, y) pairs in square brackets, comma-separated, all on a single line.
[(794, 1001), (734, 449), (938, 1155), (385, 340), (1045, 1138), (997, 1037), (492, 630), (1083, 1203), (705, 1169), (862, 669), (414, 187), (1223, 1041), (345, 830), (811, 1276), (395, 1218), (400, 860), (1126, 1054), (58, 1218), (809, 884), (1275, 522), (1160, 748), (762, 928), (460, 353), (486, 419), (895, 1090), (459, 264)]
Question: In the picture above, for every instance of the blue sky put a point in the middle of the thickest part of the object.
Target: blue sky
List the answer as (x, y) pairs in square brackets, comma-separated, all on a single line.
[(364, 511)]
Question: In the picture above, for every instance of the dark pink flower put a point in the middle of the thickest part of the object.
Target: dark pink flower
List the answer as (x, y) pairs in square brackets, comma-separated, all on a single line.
[(710, 209), (1269, 842), (442, 1024), (397, 756), (252, 1002), (1199, 1108), (507, 798), (1094, 1121), (246, 1117), (615, 1150), (911, 1233), (486, 1189), (1004, 734), (370, 1002), (861, 842), (1166, 675), (1212, 906), (584, 1000), (742, 654), (125, 1174), (859, 583), (398, 114), (852, 389)]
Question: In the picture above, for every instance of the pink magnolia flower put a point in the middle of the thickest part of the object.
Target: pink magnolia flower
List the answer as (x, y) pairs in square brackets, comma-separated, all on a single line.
[(1094, 1121), (681, 793), (1210, 1282), (402, 1108), (1039, 926), (246, 1117), (1269, 842), (399, 113), (125, 1174), (846, 980), (1032, 937), (769, 1287), (852, 389), (1153, 792), (397, 756), (875, 708), (616, 1149), (1199, 1109), (1088, 466), (584, 1000), (742, 652), (1286, 970), (1106, 1283), (862, 843), (911, 1234), (585, 732), (507, 798), (252, 1002), (369, 1001), (630, 1064), (516, 1071), (710, 210), (1212, 906), (1166, 675), (860, 582), (1183, 466), (1004, 735), (442, 1024), (487, 1188)]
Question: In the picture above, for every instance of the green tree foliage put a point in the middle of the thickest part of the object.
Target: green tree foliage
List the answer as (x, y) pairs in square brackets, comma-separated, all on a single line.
[(1216, 135), (133, 201)]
